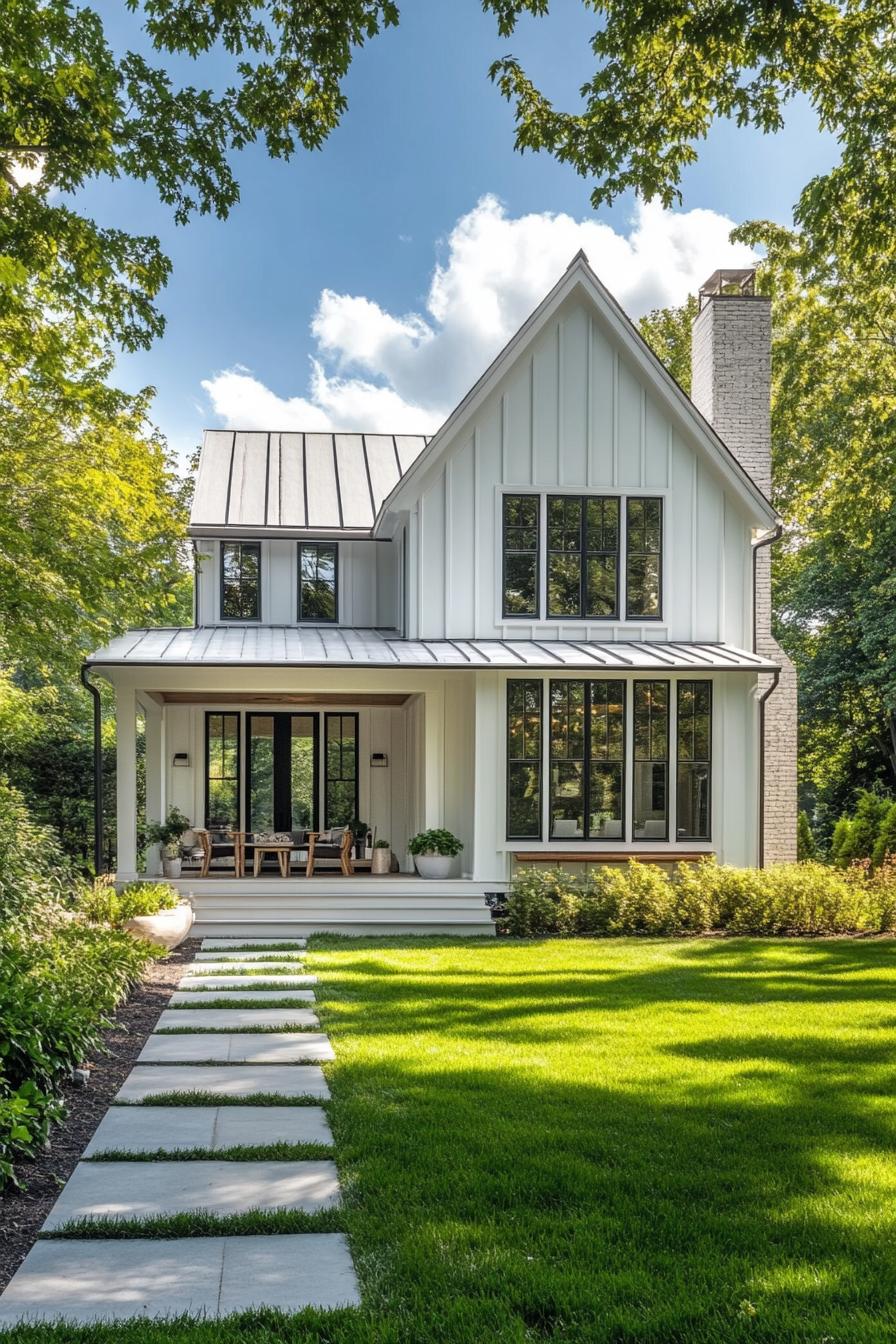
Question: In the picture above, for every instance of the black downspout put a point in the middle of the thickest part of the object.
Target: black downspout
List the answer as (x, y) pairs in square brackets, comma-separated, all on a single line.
[(97, 771), (776, 676)]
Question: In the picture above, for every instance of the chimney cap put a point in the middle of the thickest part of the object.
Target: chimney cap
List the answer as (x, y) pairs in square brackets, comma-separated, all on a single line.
[(729, 284)]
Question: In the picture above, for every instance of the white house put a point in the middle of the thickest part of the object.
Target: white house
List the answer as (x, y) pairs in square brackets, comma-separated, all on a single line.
[(546, 628)]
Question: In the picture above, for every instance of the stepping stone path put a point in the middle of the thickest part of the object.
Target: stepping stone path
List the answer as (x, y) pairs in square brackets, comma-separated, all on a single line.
[(210, 1051)]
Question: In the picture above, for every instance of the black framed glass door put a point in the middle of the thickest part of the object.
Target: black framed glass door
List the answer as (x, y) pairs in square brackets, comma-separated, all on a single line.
[(281, 779)]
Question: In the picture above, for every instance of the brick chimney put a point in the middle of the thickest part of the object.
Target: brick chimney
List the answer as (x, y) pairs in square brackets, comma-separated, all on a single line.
[(731, 372)]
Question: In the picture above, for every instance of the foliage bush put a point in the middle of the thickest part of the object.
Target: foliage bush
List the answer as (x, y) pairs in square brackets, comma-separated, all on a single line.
[(436, 841), (788, 899), (61, 976), (102, 904), (856, 837)]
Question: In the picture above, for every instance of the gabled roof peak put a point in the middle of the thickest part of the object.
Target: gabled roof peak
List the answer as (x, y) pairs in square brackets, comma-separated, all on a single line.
[(582, 256)]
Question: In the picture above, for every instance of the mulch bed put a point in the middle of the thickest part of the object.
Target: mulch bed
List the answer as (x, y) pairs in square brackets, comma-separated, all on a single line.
[(22, 1212)]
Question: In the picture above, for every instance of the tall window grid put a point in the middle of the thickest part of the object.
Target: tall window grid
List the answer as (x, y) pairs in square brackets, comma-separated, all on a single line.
[(340, 769), (524, 751), (650, 776), (222, 770), (694, 760), (520, 525), (240, 580), (644, 558), (583, 556), (318, 593), (587, 760)]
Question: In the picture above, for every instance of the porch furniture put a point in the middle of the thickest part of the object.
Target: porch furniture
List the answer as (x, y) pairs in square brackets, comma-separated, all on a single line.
[(330, 846), (221, 844), (282, 849)]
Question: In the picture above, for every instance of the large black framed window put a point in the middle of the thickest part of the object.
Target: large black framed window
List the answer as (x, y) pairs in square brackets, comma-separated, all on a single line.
[(340, 769), (650, 780), (520, 519), (694, 760), (644, 559), (524, 735), (583, 556), (318, 581), (222, 771), (587, 758), (240, 580)]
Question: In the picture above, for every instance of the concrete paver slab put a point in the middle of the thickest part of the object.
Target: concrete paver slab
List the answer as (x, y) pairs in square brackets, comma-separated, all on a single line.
[(91, 1281), (197, 996), (244, 981), (264, 1047), (146, 1129), (127, 1191), (225, 1080), (296, 966), (220, 944), (222, 1019)]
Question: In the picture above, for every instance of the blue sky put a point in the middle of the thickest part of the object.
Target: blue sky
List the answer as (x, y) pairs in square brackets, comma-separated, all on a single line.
[(426, 138)]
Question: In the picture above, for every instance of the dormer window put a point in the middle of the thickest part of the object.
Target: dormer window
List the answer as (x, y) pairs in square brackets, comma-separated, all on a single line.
[(240, 581), (318, 596)]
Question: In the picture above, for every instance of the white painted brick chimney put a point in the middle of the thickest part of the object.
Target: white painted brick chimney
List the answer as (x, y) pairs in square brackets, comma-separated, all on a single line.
[(731, 368)]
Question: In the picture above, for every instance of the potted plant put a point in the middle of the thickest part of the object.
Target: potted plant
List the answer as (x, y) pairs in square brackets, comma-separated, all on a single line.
[(381, 860), (168, 834), (434, 852)]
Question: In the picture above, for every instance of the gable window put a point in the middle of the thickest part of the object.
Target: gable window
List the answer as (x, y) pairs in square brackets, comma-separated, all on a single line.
[(643, 564), (583, 556), (318, 598), (222, 771), (520, 524), (523, 760), (240, 580), (587, 760), (694, 741), (650, 803)]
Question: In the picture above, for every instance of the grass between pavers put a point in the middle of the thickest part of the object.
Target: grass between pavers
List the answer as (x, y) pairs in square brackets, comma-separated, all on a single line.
[(198, 968), (263, 1152), (258, 946), (234, 1031), (603, 1142), (213, 1099), (196, 1223), (197, 989), (208, 1000), (295, 959)]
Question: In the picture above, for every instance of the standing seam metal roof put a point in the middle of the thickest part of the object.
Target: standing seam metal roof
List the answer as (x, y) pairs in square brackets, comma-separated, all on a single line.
[(318, 482), (315, 646)]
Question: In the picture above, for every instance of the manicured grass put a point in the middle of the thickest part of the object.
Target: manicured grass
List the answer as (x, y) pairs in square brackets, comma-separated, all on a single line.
[(206, 999), (258, 1222), (264, 1152), (213, 1099), (604, 1142)]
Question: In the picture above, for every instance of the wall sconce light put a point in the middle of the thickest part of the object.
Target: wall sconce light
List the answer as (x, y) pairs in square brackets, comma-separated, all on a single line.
[(181, 758), (379, 759)]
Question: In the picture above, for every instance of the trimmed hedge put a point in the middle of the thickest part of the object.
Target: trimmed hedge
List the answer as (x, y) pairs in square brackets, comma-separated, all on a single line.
[(61, 977), (788, 899)]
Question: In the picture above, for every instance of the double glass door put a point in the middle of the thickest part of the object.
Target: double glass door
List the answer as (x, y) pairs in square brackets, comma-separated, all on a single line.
[(282, 775), (291, 783)]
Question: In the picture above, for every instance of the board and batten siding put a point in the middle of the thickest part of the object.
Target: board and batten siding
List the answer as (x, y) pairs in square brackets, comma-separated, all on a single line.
[(367, 583), (572, 415)]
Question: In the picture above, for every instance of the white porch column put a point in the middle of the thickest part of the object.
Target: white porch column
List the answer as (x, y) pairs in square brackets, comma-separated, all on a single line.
[(434, 757), (489, 864), (126, 781), (155, 776)]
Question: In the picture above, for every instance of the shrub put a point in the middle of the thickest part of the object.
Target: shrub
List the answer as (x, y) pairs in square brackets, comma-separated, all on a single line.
[(885, 843), (435, 842), (787, 899), (60, 978), (856, 837), (102, 904), (806, 847)]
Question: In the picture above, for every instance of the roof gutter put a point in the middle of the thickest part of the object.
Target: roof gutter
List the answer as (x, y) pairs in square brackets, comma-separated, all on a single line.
[(97, 770)]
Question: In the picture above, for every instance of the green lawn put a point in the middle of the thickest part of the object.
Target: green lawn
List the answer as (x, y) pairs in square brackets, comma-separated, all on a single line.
[(632, 1141)]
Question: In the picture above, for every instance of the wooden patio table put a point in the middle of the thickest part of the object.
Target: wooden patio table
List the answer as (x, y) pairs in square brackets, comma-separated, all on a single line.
[(282, 848)]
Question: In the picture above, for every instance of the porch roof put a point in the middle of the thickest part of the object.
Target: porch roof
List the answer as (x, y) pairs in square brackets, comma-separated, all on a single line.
[(319, 646)]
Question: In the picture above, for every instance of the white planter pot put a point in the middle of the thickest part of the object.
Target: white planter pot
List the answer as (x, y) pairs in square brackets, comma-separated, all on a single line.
[(168, 928), (434, 865), (171, 867), (381, 861)]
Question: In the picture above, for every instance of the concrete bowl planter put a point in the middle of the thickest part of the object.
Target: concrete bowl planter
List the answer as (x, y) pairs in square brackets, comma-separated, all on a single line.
[(434, 865), (166, 928)]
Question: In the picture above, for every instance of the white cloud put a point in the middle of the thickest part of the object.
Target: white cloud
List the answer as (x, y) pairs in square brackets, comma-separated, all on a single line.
[(377, 371)]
